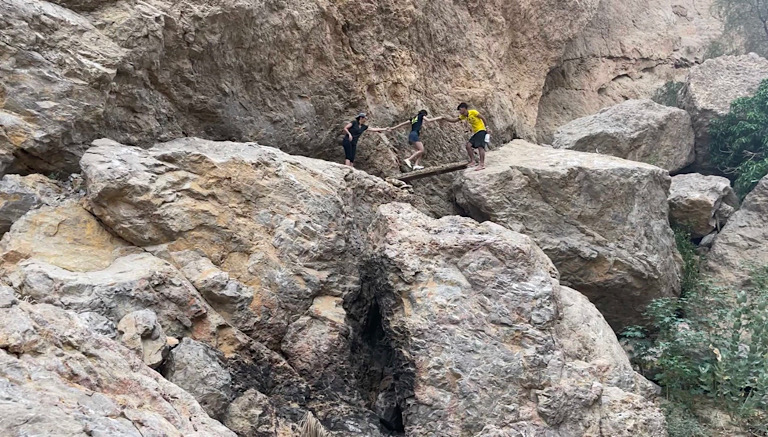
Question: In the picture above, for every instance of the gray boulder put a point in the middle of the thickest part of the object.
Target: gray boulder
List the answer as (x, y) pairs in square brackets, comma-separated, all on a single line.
[(58, 379), (19, 194), (602, 220), (743, 243), (638, 130), (710, 89), (197, 368), (701, 204), (252, 415)]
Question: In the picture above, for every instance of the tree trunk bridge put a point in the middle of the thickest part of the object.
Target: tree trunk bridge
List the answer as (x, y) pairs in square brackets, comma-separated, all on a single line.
[(431, 171)]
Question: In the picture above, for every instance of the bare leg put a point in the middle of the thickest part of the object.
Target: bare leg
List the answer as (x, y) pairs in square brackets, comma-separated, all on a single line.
[(471, 162), (481, 151), (416, 157)]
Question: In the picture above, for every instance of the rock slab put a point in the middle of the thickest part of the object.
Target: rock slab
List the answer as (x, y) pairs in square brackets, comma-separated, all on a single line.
[(602, 220), (638, 130)]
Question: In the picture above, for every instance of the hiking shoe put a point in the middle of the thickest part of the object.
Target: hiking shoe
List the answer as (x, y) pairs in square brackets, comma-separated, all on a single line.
[(418, 167), (408, 163)]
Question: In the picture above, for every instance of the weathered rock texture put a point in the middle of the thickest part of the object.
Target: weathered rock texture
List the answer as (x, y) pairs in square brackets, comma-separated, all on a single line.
[(701, 203), (286, 73), (638, 130), (19, 194), (602, 220), (629, 50), (474, 333), (57, 377), (141, 332), (711, 88), (743, 243)]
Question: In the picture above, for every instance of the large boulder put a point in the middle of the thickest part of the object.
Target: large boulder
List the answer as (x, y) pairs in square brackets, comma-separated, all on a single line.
[(475, 336), (701, 204), (743, 244), (638, 130), (141, 332), (57, 377), (198, 369), (602, 220), (711, 88), (285, 229)]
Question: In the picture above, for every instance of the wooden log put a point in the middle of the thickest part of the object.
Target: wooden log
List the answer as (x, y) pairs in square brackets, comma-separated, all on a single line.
[(431, 171)]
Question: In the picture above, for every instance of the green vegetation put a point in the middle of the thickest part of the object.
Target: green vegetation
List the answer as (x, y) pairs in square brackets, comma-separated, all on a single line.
[(690, 259), (739, 141), (710, 347), (747, 19), (667, 94)]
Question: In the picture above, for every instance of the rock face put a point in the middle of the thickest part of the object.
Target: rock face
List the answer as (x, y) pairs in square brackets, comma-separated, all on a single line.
[(711, 88), (19, 194), (629, 50), (141, 332), (164, 69), (602, 220), (742, 244), (57, 377), (197, 369), (472, 335), (701, 203), (638, 130)]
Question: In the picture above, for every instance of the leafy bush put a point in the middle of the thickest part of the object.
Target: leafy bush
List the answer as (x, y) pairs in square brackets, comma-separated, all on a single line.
[(682, 422), (690, 259), (667, 94), (710, 344), (739, 141)]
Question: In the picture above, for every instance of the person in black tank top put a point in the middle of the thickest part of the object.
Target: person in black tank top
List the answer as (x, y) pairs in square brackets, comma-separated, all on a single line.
[(352, 132), (413, 138)]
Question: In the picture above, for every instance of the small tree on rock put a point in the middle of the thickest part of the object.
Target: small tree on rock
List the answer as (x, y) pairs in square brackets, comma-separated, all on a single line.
[(739, 141)]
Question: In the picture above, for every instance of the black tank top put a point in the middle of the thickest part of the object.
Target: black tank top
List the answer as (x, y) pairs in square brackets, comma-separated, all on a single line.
[(416, 123)]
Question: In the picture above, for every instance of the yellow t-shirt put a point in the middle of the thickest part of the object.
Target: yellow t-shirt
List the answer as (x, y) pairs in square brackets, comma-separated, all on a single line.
[(474, 120)]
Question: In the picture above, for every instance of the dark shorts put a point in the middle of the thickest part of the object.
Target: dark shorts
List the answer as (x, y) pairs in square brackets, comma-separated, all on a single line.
[(350, 149), (413, 137), (478, 140)]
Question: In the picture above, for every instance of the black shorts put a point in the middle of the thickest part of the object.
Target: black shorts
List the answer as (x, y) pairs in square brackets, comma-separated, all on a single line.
[(478, 140), (413, 137), (350, 149)]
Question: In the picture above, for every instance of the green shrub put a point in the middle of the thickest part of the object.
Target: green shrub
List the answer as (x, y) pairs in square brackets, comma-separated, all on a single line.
[(690, 259), (710, 344), (667, 94), (739, 141), (682, 422)]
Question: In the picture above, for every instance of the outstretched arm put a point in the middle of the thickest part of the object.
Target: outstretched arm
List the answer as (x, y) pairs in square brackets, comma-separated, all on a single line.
[(346, 130), (400, 125), (451, 119), (378, 129), (430, 120)]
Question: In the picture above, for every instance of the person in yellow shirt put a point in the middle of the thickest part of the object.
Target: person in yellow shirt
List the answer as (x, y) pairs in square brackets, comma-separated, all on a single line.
[(477, 140)]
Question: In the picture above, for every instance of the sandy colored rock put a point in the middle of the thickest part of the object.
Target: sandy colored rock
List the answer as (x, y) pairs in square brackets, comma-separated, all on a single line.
[(742, 244), (629, 50), (75, 240), (473, 332), (141, 332), (701, 204), (602, 220), (58, 378), (19, 194), (252, 414), (637, 130), (278, 229), (162, 69), (711, 87), (197, 369)]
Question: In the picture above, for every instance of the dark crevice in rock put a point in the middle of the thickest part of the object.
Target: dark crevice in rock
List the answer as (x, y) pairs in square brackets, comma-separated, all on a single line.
[(385, 376)]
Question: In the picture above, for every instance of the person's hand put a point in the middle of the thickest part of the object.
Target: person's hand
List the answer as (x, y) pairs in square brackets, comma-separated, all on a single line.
[(350, 137)]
